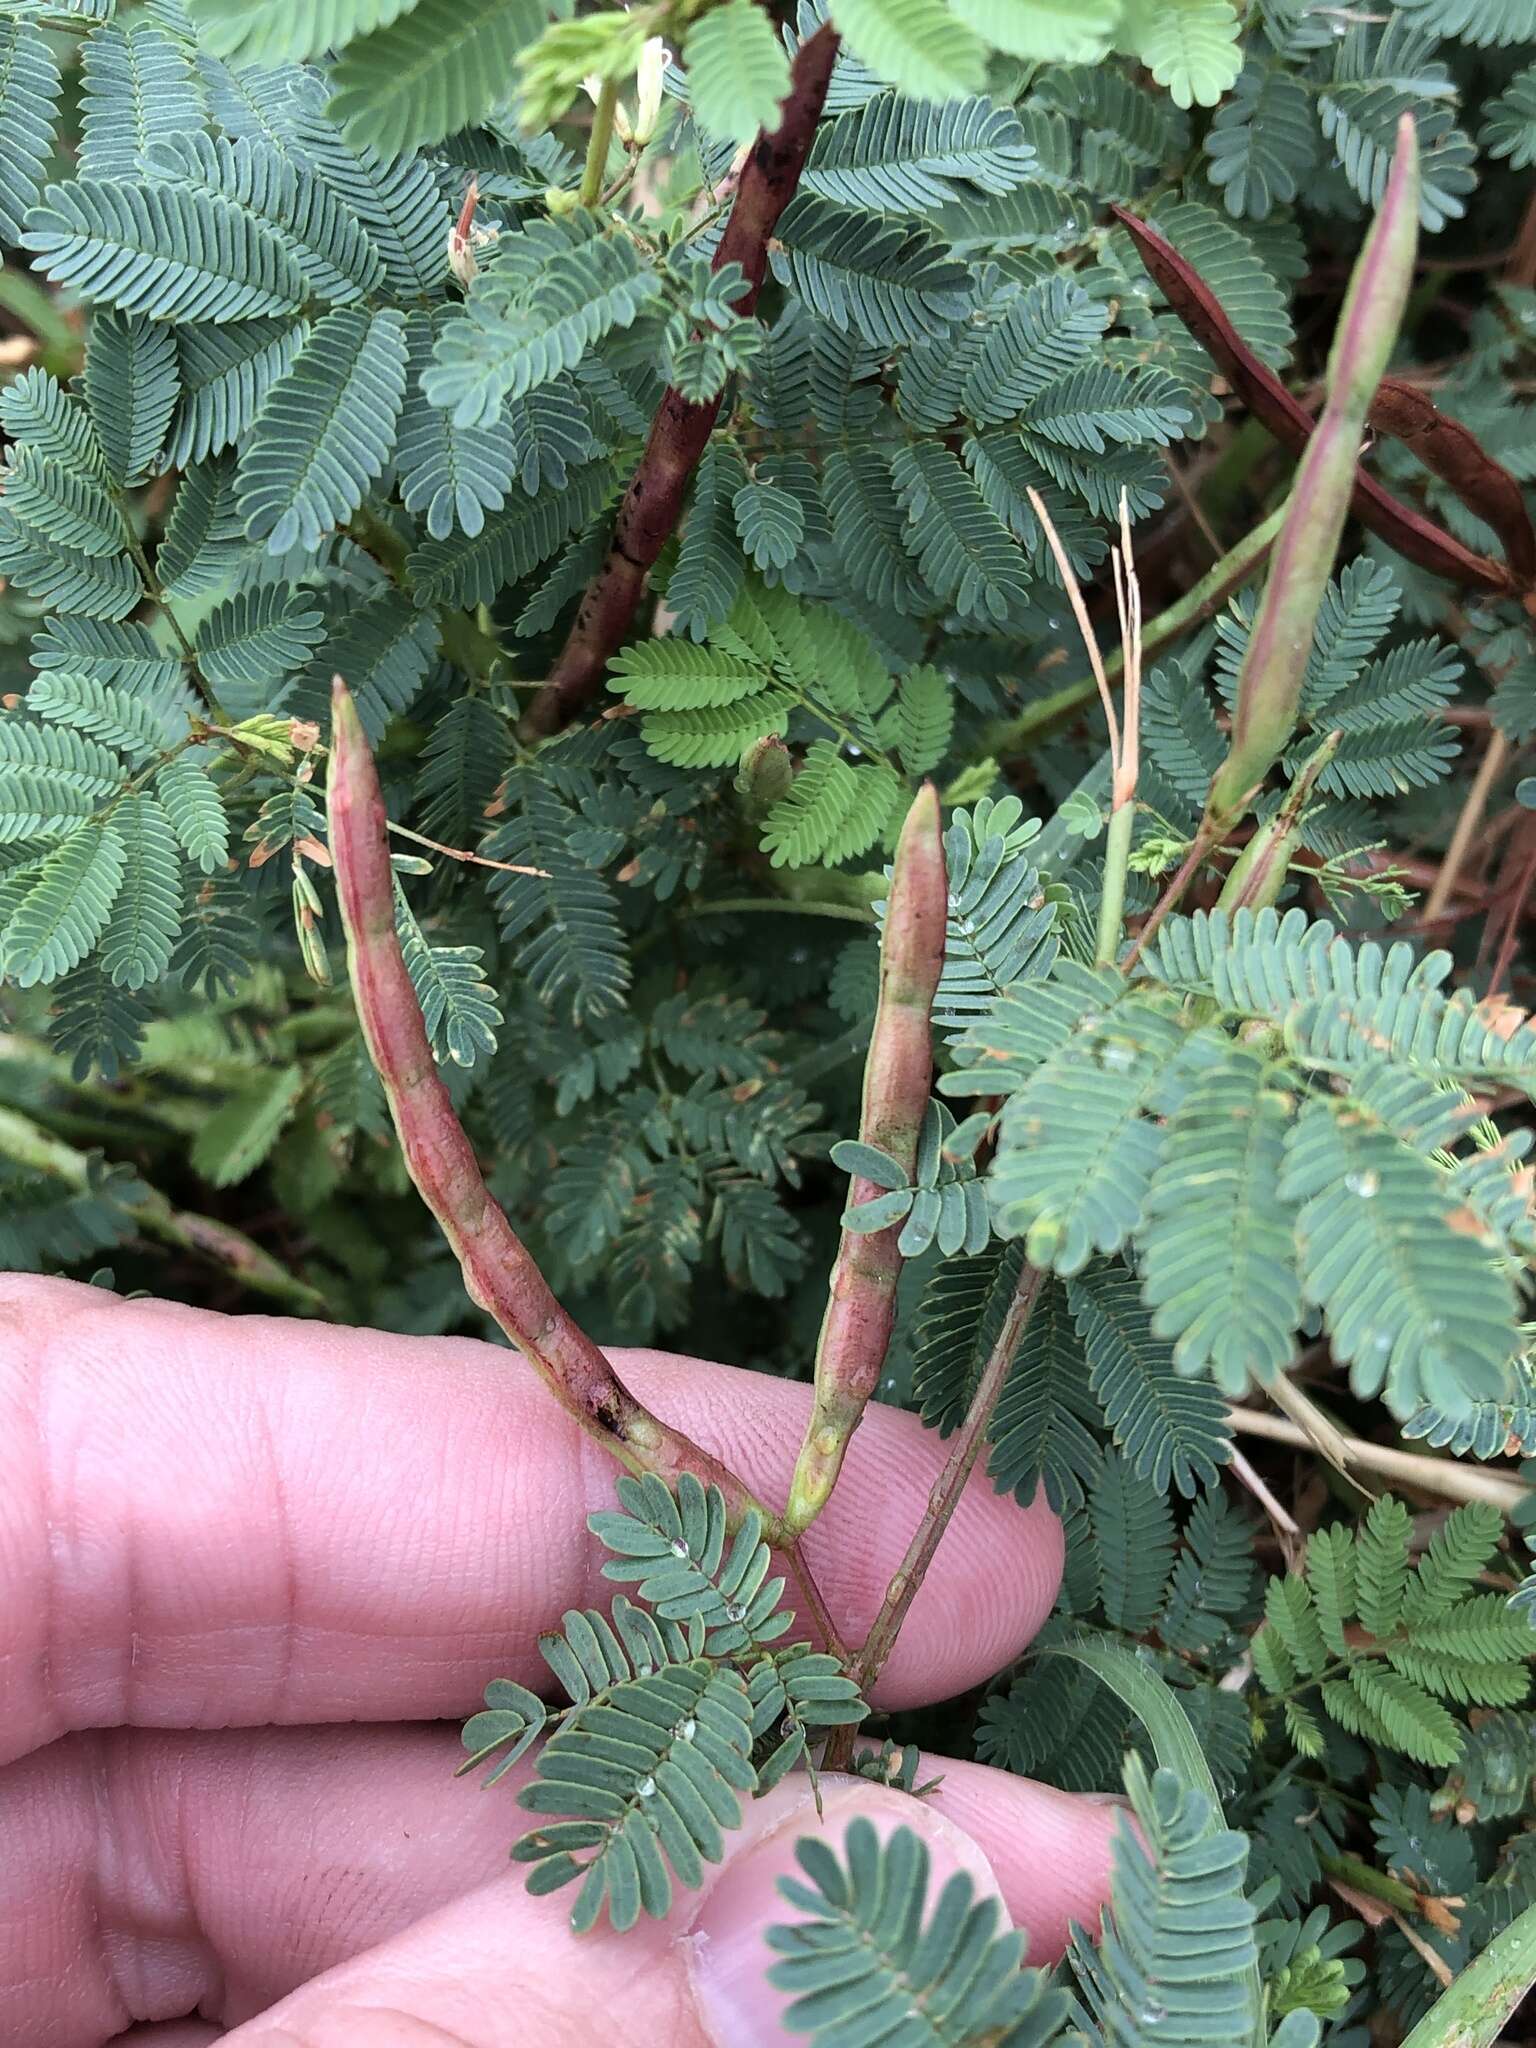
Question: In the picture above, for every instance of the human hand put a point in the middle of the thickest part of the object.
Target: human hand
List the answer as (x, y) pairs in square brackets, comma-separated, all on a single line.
[(221, 1539)]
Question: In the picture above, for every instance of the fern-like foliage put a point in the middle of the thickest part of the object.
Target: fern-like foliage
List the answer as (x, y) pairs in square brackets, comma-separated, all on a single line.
[(1431, 1642), (866, 1960), (678, 1709)]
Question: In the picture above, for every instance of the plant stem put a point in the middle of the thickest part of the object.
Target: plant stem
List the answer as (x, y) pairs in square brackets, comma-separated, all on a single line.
[(950, 1484), (1402, 526), (818, 1609), (499, 1274), (1204, 843), (1447, 1477), (1237, 566), (1117, 853), (1470, 817), (680, 432), (898, 1072), (597, 143), (28, 1145), (733, 906)]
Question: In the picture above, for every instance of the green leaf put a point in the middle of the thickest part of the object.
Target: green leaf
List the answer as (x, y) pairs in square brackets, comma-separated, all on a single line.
[(454, 475), (508, 342), (286, 31), (325, 432), (963, 550), (738, 73), (191, 801), (866, 1943), (458, 1005), (226, 373), (1510, 129), (256, 637), (1042, 31), (132, 387), (59, 918), (1262, 142), (921, 47), (1172, 1431), (49, 778), (657, 1815), (29, 96), (887, 282), (62, 505), (1189, 46), (146, 916), (1218, 1253), (771, 523), (137, 83), (136, 726), (431, 70), (328, 242), (240, 1134), (835, 808), (170, 252), (897, 155), (1412, 1302)]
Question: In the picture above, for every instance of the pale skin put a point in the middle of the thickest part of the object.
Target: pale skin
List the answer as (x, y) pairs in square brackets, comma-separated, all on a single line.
[(253, 1572)]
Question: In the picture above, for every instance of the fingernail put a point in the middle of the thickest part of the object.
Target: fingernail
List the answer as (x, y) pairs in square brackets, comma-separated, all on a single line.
[(729, 1957)]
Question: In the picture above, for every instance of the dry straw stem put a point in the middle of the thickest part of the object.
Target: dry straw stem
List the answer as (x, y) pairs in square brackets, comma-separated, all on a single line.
[(499, 1274), (898, 1073)]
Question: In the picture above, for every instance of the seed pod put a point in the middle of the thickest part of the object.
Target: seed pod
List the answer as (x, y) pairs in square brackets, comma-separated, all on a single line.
[(1269, 688), (898, 1073)]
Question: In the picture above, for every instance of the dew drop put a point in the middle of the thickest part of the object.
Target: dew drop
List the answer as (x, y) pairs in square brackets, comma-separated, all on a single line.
[(1119, 1058), (686, 1730), (1363, 1184), (679, 1548), (734, 1611), (646, 1789)]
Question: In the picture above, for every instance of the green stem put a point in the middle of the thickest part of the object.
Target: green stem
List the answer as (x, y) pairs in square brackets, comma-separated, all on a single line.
[(28, 1145), (732, 906), (1117, 854), (1363, 1877), (1039, 720), (598, 142)]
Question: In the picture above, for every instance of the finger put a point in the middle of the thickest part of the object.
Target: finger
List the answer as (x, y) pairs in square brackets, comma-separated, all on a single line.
[(499, 1965), (174, 2034), (151, 1874), (210, 1520)]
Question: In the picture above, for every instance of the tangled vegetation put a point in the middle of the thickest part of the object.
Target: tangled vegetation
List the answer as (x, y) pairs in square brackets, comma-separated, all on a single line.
[(727, 641)]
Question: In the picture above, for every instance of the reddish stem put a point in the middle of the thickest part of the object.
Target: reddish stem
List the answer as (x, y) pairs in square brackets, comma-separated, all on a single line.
[(499, 1273), (680, 432), (1403, 527)]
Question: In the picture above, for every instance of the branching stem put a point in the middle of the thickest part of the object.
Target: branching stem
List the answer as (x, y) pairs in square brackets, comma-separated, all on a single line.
[(680, 432), (950, 1484)]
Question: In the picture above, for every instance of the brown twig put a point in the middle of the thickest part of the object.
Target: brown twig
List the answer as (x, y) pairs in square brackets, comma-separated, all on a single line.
[(499, 1273), (1402, 526), (1470, 817), (861, 1305), (950, 1484), (680, 432)]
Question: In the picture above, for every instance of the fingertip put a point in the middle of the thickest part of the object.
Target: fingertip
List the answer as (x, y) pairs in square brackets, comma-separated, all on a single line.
[(1052, 1851)]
